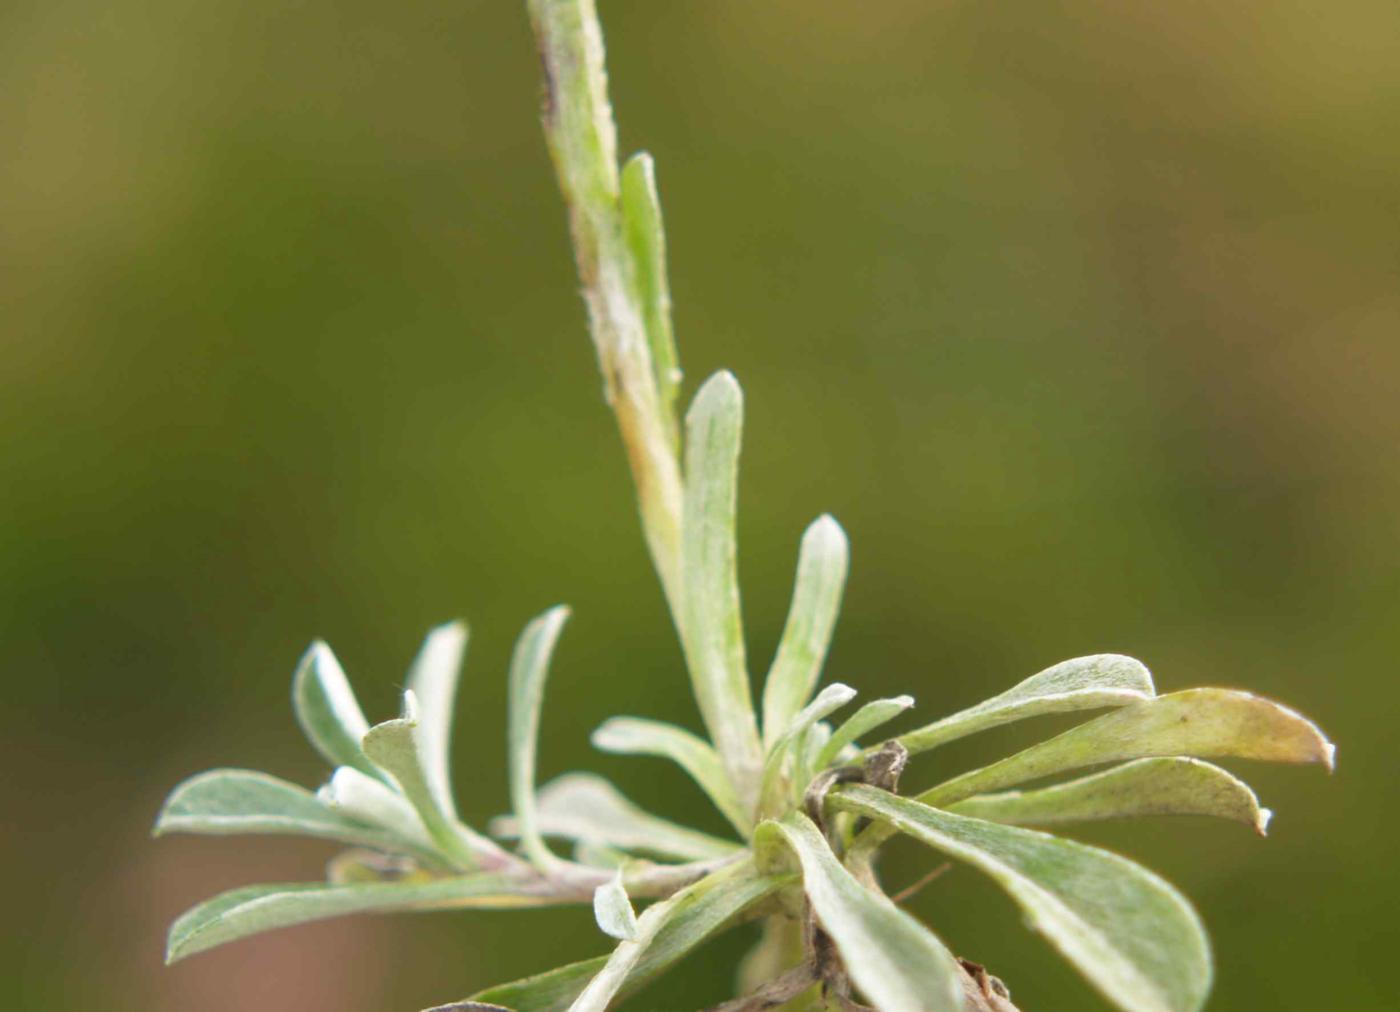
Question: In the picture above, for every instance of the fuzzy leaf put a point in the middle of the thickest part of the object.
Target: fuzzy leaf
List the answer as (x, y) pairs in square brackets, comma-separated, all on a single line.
[(646, 240), (864, 720), (396, 747), (822, 562), (613, 910), (1159, 786), (327, 710), (1083, 683), (776, 770), (897, 962), (433, 680), (1130, 933), (581, 806), (1196, 722), (740, 888), (224, 802), (252, 909), (712, 630), (357, 796), (636, 736), (529, 667), (712, 905)]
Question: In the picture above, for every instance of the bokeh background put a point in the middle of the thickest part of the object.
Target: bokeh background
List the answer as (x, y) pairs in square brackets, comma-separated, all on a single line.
[(1083, 317)]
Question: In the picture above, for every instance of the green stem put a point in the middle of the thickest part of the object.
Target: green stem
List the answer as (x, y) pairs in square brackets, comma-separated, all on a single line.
[(582, 139)]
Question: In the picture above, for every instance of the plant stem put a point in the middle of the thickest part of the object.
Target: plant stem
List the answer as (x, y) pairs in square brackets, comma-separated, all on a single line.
[(582, 139)]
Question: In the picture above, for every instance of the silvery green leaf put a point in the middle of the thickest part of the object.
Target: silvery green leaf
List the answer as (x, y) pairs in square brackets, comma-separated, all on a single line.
[(691, 915), (1159, 786), (711, 906), (327, 710), (1196, 722), (252, 909), (897, 962), (822, 563), (1131, 934), (357, 796), (433, 680), (551, 991), (529, 668), (805, 755), (581, 806), (225, 801), (1083, 683), (646, 240), (860, 723), (396, 747), (776, 771), (636, 736), (712, 630), (613, 910)]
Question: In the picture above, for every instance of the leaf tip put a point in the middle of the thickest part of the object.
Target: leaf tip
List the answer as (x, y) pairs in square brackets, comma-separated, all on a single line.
[(1262, 820)]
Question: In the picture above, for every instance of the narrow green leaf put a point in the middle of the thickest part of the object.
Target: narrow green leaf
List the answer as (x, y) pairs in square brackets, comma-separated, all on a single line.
[(688, 915), (433, 679), (822, 562), (613, 910), (777, 771), (897, 962), (327, 710), (1196, 722), (357, 796), (711, 626), (225, 802), (646, 240), (711, 906), (551, 991), (1131, 934), (1080, 684), (396, 747), (636, 736), (860, 723), (1159, 786), (252, 909), (581, 806), (529, 668)]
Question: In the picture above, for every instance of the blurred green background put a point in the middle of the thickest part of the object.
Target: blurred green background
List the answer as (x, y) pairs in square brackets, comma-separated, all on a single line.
[(1083, 317)]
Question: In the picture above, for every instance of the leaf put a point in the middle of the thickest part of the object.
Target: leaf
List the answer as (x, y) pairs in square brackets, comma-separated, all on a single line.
[(396, 747), (1196, 722), (822, 562), (433, 680), (636, 736), (690, 918), (712, 905), (327, 710), (1130, 933), (772, 793), (581, 806), (864, 720), (1159, 786), (613, 910), (529, 668), (225, 801), (252, 909), (1083, 683), (712, 631), (897, 962), (646, 240), (357, 796)]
